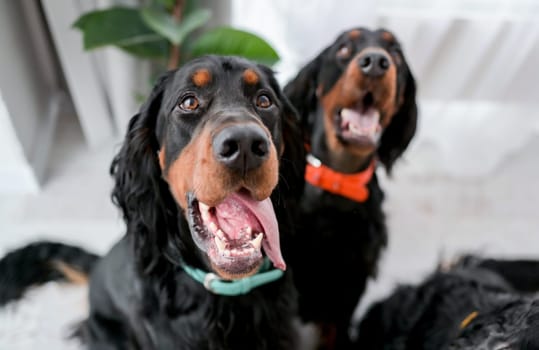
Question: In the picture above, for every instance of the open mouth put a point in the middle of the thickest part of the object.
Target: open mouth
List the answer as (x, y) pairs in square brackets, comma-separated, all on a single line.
[(360, 124), (236, 233)]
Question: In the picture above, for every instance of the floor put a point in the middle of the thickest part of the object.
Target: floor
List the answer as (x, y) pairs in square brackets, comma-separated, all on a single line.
[(430, 218)]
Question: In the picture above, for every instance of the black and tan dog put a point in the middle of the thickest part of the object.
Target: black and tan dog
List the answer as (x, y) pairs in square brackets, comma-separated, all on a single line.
[(357, 102), (198, 181), (477, 304)]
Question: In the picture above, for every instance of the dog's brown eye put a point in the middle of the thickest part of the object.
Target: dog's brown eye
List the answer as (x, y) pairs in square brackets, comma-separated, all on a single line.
[(263, 101), (189, 103), (343, 52)]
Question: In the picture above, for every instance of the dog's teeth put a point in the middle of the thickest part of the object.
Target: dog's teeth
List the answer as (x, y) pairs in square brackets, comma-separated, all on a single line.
[(249, 230), (257, 242), (205, 215), (354, 129), (221, 246), (219, 233), (213, 227), (203, 207)]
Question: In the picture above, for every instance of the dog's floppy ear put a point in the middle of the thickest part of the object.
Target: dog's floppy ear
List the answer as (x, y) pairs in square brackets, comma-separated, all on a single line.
[(399, 132), (139, 190), (301, 91)]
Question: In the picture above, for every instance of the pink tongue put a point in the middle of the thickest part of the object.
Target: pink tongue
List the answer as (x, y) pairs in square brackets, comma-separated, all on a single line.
[(366, 121), (238, 211)]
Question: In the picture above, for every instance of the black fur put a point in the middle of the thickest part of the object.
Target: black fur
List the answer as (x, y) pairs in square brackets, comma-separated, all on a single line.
[(339, 241), (33, 265), (429, 316)]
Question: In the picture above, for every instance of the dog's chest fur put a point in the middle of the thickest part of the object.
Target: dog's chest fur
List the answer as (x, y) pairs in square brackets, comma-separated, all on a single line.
[(198, 319), (338, 237)]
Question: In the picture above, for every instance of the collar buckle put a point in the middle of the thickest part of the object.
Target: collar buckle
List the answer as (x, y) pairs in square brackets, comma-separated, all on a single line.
[(208, 279), (312, 160)]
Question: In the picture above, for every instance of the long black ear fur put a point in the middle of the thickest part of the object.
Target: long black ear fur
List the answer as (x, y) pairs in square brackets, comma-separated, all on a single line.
[(147, 205), (401, 130), (301, 92)]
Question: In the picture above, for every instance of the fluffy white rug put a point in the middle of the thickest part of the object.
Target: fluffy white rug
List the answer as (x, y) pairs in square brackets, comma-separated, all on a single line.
[(43, 318)]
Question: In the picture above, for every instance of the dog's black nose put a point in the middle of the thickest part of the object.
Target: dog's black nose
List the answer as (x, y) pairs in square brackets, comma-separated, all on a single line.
[(241, 147), (374, 64)]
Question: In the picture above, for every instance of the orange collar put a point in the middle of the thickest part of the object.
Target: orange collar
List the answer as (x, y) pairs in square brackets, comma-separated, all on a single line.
[(351, 186)]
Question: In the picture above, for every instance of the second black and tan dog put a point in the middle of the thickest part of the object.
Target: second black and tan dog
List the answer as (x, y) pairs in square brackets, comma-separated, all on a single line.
[(357, 102)]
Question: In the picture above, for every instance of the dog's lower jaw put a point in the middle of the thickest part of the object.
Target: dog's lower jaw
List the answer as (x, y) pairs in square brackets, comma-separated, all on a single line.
[(230, 275), (234, 265), (235, 233)]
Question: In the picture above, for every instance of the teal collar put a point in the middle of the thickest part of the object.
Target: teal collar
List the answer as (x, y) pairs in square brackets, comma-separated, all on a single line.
[(217, 285)]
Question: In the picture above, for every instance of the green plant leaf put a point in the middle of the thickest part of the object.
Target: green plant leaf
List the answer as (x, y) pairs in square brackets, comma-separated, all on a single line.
[(175, 32), (190, 6), (167, 3), (148, 50), (122, 27), (230, 41)]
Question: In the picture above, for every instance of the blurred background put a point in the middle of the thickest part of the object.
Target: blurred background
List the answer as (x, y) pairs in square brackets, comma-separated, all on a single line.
[(468, 182)]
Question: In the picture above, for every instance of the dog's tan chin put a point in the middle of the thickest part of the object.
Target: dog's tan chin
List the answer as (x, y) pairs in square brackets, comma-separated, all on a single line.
[(228, 275)]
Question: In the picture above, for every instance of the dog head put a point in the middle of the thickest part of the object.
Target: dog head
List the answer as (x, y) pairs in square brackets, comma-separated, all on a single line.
[(199, 163), (357, 99)]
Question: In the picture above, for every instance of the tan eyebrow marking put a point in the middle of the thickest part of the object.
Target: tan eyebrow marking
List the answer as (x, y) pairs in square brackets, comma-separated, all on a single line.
[(250, 76), (387, 36), (354, 34), (201, 77)]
